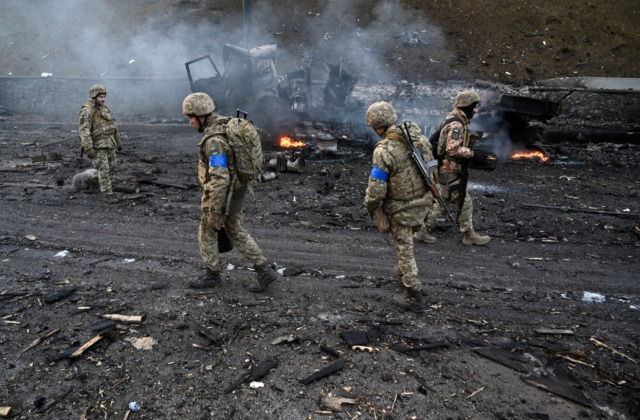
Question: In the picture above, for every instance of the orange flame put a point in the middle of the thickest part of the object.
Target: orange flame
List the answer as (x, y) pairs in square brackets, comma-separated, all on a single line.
[(289, 142), (536, 154)]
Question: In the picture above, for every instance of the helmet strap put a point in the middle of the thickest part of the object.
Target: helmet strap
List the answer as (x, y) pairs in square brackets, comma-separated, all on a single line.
[(202, 124)]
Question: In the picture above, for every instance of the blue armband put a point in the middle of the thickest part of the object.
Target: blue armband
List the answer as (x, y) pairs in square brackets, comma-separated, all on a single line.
[(219, 161), (377, 173)]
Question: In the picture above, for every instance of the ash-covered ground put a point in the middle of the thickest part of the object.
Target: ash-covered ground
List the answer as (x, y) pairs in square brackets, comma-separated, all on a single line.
[(540, 323)]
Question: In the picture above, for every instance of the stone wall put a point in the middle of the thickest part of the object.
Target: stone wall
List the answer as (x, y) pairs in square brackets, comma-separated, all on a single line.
[(60, 98)]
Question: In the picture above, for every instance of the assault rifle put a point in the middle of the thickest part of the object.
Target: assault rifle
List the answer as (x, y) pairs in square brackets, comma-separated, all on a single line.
[(424, 170)]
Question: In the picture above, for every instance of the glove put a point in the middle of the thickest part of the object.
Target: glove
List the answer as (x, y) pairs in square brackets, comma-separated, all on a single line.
[(215, 221), (91, 153), (381, 220), (119, 147)]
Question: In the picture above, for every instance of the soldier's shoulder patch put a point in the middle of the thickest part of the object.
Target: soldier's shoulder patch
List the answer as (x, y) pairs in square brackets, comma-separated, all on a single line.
[(455, 133)]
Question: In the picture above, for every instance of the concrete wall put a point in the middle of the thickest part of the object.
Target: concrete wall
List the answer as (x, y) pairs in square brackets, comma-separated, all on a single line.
[(60, 98)]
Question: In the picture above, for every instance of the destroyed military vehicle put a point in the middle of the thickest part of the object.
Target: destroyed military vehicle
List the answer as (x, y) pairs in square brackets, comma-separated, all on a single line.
[(250, 84)]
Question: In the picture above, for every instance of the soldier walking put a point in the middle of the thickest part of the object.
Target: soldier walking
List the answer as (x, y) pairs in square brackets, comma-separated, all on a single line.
[(396, 190), (453, 176), (100, 137), (222, 194)]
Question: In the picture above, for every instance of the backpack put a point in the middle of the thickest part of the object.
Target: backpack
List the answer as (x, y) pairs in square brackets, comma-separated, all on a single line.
[(247, 148), (438, 148)]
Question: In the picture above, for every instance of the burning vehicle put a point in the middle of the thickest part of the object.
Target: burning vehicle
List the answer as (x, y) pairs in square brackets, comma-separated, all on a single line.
[(249, 82)]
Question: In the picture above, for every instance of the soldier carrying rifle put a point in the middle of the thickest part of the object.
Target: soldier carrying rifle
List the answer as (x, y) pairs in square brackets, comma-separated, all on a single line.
[(456, 147)]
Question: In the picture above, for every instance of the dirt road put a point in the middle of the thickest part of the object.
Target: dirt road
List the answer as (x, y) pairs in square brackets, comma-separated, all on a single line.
[(554, 295)]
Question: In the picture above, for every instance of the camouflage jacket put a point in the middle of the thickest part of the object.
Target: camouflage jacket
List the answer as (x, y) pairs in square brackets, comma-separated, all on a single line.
[(395, 181), (215, 166), (97, 128), (459, 143)]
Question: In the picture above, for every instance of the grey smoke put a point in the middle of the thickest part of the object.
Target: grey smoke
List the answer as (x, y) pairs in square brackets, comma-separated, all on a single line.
[(102, 37)]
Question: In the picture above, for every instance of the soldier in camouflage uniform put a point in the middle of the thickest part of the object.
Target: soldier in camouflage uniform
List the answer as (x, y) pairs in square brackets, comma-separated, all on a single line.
[(453, 172), (397, 185), (222, 199), (100, 137)]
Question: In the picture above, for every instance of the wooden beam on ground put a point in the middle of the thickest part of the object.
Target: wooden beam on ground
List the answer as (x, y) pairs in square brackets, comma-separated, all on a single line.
[(332, 403), (86, 346), (125, 318), (340, 364)]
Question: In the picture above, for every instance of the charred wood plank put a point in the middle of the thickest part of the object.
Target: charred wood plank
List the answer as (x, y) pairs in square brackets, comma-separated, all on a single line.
[(256, 372), (503, 357), (65, 354), (263, 368), (55, 401), (11, 295), (560, 382), (323, 373), (329, 350), (207, 333), (104, 327), (60, 295), (235, 384)]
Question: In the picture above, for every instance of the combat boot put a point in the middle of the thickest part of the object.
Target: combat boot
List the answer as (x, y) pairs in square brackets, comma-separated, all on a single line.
[(209, 279), (266, 276), (423, 236), (412, 301), (472, 238)]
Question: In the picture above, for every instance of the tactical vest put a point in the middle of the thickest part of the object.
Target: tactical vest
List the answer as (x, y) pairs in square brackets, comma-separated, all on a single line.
[(103, 123), (406, 184)]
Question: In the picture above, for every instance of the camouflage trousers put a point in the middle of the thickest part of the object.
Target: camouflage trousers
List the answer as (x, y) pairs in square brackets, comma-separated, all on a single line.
[(403, 242), (105, 163), (451, 193), (244, 243)]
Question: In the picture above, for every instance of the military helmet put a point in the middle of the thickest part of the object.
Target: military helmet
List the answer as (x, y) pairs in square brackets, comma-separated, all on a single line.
[(97, 90), (381, 114), (466, 98), (198, 104)]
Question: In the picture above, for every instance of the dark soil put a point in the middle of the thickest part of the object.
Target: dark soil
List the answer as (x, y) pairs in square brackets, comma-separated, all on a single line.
[(135, 257), (541, 323)]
